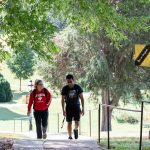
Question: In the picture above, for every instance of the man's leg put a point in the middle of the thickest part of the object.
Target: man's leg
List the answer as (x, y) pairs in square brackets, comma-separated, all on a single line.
[(76, 129), (44, 123), (69, 121), (37, 116), (76, 114), (69, 128), (77, 124)]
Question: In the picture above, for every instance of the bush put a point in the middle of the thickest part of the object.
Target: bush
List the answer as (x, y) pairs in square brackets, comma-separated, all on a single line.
[(5, 90), (127, 119)]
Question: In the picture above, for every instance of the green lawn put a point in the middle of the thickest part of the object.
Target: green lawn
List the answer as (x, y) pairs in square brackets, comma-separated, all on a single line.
[(126, 144)]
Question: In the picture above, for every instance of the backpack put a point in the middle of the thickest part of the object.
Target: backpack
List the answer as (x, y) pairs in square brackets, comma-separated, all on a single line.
[(34, 94)]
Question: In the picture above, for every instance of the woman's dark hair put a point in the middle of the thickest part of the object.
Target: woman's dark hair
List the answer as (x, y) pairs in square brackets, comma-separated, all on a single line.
[(69, 76), (37, 81)]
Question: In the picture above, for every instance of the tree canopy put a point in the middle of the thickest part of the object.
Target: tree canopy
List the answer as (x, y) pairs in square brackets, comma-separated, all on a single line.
[(28, 21), (22, 62), (112, 16), (33, 21)]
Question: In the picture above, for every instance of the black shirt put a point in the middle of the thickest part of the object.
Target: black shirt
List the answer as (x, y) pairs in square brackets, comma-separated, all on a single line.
[(72, 94)]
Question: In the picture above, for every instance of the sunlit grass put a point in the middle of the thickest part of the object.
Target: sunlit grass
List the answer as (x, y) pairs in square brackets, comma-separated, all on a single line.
[(126, 144), (12, 136)]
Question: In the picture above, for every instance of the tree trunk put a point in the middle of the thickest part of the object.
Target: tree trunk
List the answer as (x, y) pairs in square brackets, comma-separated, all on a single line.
[(106, 100), (20, 84)]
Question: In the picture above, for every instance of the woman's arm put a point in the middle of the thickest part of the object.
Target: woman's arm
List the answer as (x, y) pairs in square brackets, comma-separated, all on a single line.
[(31, 99), (49, 98)]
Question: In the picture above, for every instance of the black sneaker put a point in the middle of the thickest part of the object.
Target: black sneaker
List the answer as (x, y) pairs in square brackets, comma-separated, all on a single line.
[(75, 133), (70, 138)]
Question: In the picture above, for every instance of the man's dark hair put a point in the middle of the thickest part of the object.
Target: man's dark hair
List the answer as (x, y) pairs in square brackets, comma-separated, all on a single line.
[(69, 76)]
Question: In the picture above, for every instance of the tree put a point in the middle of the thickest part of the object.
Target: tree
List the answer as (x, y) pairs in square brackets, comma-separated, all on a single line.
[(5, 90), (115, 23), (112, 74), (113, 71), (22, 62), (72, 58)]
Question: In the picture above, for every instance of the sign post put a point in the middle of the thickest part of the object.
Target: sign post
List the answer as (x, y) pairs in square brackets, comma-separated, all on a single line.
[(30, 85)]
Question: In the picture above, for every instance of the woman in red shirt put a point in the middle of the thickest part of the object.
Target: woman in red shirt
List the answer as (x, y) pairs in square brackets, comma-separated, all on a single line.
[(40, 98)]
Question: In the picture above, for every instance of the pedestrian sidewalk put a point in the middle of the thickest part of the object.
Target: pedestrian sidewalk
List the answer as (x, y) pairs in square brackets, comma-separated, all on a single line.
[(56, 142)]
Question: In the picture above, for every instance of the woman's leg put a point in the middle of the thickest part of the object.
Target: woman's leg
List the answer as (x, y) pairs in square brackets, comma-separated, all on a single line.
[(44, 122), (37, 116)]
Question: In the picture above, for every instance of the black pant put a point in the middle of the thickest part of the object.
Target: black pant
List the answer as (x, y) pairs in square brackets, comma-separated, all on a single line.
[(41, 120)]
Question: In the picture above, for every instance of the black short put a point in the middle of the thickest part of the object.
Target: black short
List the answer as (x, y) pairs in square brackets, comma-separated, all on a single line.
[(73, 113)]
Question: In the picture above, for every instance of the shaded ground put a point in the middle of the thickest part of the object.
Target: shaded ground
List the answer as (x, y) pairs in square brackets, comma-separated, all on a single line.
[(7, 140), (7, 114), (6, 144)]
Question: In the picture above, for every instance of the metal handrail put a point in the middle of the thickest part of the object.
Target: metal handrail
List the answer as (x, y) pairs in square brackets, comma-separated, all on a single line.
[(21, 118), (119, 108)]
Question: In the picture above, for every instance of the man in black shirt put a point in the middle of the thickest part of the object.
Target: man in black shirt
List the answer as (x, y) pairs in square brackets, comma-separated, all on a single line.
[(71, 96)]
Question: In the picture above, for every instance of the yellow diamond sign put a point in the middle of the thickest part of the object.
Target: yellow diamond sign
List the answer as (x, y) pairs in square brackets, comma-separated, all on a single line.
[(142, 55)]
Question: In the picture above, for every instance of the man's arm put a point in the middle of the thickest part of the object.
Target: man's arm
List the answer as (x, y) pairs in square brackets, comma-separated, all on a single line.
[(82, 102), (63, 105)]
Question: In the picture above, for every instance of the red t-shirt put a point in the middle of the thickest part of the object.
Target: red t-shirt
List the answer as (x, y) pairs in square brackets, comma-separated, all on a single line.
[(40, 102)]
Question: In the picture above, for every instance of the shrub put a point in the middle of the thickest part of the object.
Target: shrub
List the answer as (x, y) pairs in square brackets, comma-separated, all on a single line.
[(125, 118), (5, 90), (132, 120)]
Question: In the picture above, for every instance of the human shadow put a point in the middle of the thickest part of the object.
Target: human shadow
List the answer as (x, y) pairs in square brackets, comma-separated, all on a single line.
[(6, 114)]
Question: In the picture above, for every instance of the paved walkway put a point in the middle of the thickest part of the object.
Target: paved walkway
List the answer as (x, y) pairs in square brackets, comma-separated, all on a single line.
[(56, 142)]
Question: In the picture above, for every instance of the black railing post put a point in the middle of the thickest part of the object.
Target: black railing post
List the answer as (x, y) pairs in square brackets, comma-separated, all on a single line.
[(90, 123), (80, 132), (108, 127), (99, 117), (14, 125), (141, 126), (58, 122), (48, 126), (21, 125)]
